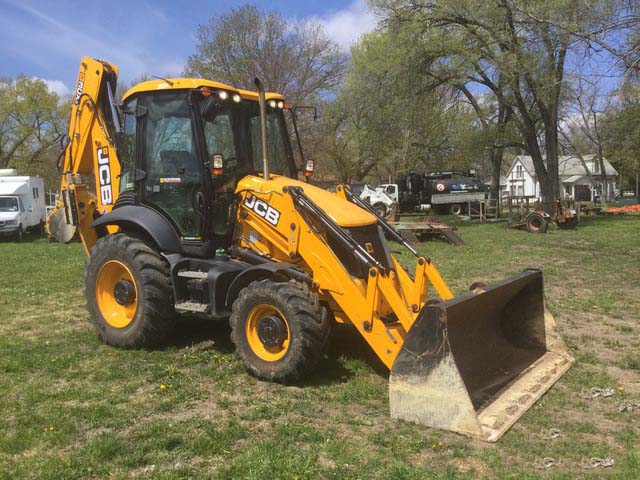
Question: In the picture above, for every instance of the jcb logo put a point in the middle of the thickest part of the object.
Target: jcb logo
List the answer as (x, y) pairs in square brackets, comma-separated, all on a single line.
[(104, 175), (79, 88), (270, 214)]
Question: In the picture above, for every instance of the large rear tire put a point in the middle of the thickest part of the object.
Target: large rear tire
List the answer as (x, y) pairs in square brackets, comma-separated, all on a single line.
[(128, 292), (536, 223), (279, 330), (455, 209)]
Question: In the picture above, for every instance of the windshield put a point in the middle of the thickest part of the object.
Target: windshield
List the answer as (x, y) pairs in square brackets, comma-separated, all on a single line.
[(233, 131), (8, 204)]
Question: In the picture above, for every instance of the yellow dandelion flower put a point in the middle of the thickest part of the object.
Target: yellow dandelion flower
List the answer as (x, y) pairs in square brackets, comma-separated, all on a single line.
[(163, 386), (228, 382), (621, 388)]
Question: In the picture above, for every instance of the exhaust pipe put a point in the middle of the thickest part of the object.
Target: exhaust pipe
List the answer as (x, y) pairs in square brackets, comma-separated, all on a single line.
[(263, 128), (476, 363)]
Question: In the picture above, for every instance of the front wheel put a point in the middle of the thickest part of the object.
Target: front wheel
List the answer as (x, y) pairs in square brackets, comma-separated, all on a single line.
[(20, 234), (569, 223), (128, 292), (279, 330)]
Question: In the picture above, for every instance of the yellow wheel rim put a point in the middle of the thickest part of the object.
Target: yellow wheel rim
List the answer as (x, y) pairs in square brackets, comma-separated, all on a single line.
[(117, 306), (269, 353)]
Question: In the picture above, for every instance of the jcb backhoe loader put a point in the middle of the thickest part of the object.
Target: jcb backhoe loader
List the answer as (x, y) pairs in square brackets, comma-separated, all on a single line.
[(186, 199)]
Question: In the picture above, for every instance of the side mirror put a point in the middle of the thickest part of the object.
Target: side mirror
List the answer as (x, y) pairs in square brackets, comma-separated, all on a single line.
[(30, 209), (64, 142), (209, 107)]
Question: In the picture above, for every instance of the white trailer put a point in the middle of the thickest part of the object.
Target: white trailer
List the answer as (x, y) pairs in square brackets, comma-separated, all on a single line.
[(22, 204)]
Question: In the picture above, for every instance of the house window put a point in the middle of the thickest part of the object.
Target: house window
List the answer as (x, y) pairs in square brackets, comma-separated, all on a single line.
[(519, 172), (520, 190)]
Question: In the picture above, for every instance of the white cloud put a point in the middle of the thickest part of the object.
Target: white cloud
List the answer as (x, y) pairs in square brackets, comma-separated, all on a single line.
[(57, 86), (346, 26)]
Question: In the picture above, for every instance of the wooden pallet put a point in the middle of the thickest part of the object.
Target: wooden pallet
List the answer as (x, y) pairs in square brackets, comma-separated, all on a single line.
[(411, 231)]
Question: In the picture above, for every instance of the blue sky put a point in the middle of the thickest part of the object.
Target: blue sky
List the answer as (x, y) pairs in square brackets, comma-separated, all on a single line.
[(46, 39)]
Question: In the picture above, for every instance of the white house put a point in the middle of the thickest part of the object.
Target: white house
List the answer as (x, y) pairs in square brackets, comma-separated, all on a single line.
[(574, 179)]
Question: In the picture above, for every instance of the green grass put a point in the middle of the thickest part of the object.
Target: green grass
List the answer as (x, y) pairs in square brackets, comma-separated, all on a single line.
[(75, 408)]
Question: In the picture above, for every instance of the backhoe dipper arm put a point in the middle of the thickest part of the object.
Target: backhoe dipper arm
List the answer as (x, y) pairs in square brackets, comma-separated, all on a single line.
[(90, 167)]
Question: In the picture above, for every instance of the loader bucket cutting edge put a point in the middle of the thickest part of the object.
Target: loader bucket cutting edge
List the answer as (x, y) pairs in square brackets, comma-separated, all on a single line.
[(476, 363)]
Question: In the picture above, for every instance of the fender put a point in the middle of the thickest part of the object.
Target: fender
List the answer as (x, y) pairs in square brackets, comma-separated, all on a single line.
[(260, 271), (542, 213), (158, 227)]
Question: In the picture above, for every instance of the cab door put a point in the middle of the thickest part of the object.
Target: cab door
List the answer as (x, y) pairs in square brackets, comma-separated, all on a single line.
[(173, 173)]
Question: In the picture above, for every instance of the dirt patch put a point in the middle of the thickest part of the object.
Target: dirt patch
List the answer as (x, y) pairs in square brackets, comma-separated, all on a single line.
[(475, 465)]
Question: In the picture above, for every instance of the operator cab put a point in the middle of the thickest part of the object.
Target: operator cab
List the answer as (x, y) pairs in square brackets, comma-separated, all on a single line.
[(185, 145)]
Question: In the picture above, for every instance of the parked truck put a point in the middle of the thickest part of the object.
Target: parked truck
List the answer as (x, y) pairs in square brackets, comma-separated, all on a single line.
[(22, 205), (448, 192)]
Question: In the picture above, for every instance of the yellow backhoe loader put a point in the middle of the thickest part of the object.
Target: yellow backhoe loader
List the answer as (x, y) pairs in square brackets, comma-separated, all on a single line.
[(187, 201)]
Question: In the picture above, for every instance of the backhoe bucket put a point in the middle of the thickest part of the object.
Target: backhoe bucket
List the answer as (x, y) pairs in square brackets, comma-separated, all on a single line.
[(476, 363)]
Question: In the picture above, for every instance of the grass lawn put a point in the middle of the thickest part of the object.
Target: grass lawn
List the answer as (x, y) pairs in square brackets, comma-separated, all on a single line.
[(75, 408)]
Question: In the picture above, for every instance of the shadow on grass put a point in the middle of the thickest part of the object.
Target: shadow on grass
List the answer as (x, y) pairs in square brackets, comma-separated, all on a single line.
[(209, 334), (344, 342)]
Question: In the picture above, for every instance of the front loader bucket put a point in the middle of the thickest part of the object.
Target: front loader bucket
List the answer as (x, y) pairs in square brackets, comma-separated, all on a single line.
[(476, 363)]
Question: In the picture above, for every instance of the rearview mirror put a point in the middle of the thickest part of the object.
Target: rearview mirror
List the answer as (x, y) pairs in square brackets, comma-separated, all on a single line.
[(209, 107)]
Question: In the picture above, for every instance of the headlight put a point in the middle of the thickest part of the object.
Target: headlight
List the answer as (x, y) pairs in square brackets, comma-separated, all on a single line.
[(280, 104), (12, 222), (223, 95), (272, 103), (236, 98)]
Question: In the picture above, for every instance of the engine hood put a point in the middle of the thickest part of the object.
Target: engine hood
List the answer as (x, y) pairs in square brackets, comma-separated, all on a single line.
[(6, 216), (341, 211)]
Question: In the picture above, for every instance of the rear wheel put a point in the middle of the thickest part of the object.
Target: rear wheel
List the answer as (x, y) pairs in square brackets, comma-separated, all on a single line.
[(455, 209), (128, 292), (536, 223), (279, 330)]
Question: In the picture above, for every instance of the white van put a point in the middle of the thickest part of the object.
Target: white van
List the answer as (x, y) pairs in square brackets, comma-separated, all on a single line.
[(22, 205)]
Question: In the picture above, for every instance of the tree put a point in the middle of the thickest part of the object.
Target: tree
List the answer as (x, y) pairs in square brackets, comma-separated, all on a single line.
[(383, 122), (32, 121), (293, 58), (621, 135), (522, 45)]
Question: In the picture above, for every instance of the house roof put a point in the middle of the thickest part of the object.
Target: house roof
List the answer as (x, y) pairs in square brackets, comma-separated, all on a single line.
[(568, 166), (527, 163)]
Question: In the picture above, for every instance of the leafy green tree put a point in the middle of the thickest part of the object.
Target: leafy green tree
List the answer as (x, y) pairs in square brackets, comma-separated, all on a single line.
[(384, 122), (620, 127), (293, 58), (516, 49), (32, 121)]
